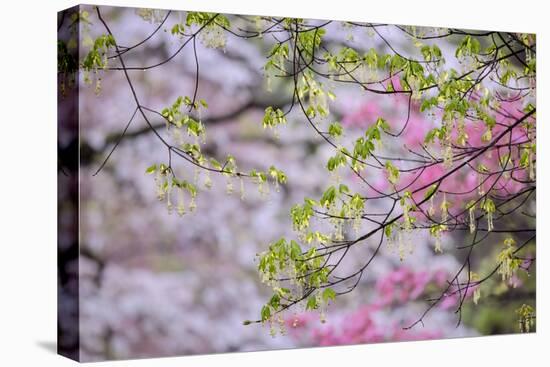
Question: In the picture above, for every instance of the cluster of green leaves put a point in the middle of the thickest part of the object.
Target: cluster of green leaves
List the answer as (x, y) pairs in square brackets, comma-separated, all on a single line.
[(204, 18), (469, 46), (347, 59), (199, 19), (166, 182), (151, 15), (276, 63), (317, 96), (340, 159), (392, 172), (408, 205), (364, 146), (452, 88), (431, 53), (305, 268), (488, 205), (277, 58), (164, 171), (67, 66), (96, 59), (310, 40), (301, 214), (526, 318), (66, 61), (278, 176), (97, 56), (413, 76), (212, 28), (273, 117), (177, 118), (335, 130), (509, 263)]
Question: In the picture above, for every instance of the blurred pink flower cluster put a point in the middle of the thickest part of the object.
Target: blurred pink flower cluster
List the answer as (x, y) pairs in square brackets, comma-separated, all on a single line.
[(480, 175), (368, 324)]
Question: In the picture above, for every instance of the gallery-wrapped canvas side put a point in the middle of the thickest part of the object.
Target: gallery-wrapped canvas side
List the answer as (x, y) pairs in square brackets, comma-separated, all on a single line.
[(68, 341)]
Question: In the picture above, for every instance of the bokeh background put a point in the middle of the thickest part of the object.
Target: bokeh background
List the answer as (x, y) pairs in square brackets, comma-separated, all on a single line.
[(154, 284)]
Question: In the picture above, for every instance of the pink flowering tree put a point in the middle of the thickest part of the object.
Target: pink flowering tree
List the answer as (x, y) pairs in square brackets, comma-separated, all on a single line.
[(400, 287)]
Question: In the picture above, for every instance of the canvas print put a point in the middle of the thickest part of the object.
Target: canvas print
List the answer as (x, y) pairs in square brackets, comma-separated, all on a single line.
[(243, 183)]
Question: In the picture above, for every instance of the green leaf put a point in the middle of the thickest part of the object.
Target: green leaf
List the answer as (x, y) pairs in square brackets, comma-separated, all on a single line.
[(335, 129), (338, 160), (177, 28), (275, 301), (382, 124), (266, 313), (388, 230), (430, 191), (328, 197), (393, 173), (343, 189), (468, 47), (310, 112), (151, 169), (295, 250), (328, 294), (311, 303), (489, 205), (215, 164)]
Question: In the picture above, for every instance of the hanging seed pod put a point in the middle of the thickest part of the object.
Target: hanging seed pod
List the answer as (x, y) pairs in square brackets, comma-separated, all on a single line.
[(181, 202), (169, 205), (207, 180), (437, 244), (431, 208), (192, 204), (229, 186), (472, 221)]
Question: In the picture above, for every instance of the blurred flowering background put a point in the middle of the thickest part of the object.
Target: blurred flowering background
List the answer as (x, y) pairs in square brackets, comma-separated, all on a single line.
[(153, 283)]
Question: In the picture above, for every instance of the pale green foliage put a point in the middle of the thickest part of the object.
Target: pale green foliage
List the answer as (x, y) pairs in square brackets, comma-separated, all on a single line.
[(340, 159), (526, 318), (178, 119), (304, 267), (301, 266), (435, 232), (509, 264), (296, 270), (317, 96), (435, 87), (151, 15), (471, 207), (474, 279), (301, 214), (393, 173), (212, 28), (97, 58), (335, 130), (273, 117), (468, 46), (276, 63), (489, 206), (174, 116)]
